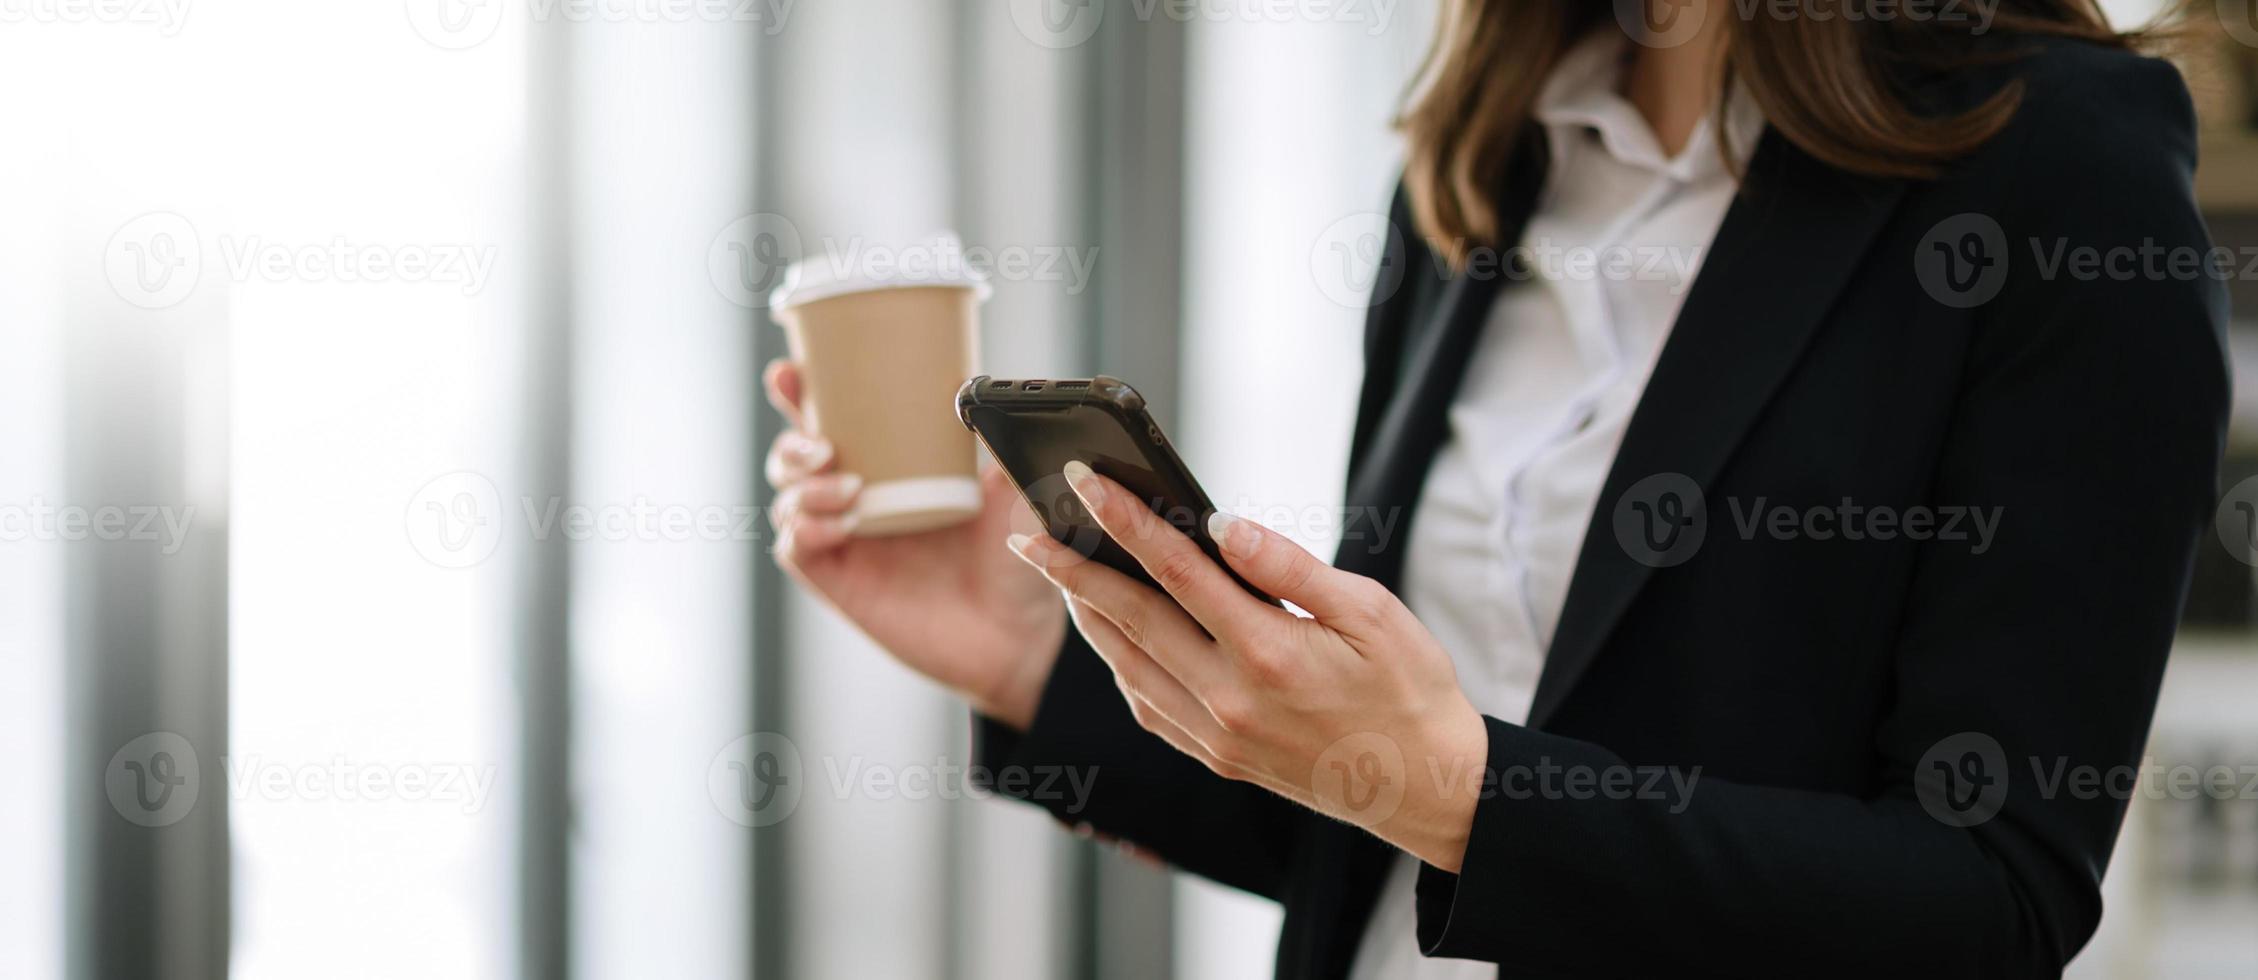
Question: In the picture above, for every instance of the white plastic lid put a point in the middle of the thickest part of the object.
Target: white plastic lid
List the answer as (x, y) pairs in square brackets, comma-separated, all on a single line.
[(937, 260), (892, 507)]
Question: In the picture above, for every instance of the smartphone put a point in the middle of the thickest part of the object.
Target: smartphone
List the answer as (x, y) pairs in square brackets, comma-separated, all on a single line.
[(1034, 428)]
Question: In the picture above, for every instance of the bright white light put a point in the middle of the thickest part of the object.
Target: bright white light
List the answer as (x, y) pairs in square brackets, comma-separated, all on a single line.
[(31, 571), (337, 155)]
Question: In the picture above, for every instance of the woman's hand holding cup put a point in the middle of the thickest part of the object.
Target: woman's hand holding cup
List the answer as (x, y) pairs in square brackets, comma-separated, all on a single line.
[(951, 603)]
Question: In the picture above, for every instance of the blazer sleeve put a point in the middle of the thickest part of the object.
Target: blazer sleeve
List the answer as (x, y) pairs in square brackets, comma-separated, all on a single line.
[(1138, 788), (1142, 790), (2093, 412)]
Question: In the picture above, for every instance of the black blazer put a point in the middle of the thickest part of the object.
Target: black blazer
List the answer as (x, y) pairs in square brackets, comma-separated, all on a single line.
[(1832, 693)]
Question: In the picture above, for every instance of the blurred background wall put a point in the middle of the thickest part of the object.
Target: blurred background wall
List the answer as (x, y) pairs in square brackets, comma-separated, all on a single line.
[(383, 586)]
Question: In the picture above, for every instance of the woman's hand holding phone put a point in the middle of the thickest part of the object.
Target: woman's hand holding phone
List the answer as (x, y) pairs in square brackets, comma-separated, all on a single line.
[(952, 604), (1355, 713)]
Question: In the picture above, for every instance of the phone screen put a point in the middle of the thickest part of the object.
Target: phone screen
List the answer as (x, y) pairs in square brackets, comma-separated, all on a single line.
[(1034, 435)]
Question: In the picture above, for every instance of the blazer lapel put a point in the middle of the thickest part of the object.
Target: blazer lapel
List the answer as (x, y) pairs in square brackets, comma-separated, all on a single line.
[(1415, 357), (1428, 353), (1788, 245)]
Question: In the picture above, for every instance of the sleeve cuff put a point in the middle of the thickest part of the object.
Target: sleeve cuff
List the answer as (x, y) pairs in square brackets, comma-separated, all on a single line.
[(1053, 737), (1444, 913), (1517, 889)]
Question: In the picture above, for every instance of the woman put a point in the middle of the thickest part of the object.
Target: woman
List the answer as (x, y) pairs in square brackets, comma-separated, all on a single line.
[(1732, 620)]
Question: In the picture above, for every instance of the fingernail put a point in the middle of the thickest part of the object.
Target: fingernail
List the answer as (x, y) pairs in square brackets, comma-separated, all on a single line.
[(1018, 544), (1220, 527), (811, 451), (1084, 482), (850, 484)]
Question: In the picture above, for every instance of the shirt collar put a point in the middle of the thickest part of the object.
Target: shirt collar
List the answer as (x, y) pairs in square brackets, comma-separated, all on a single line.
[(1582, 94)]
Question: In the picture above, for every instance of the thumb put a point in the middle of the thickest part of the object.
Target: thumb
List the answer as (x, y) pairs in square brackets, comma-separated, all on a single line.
[(1273, 563), (781, 379)]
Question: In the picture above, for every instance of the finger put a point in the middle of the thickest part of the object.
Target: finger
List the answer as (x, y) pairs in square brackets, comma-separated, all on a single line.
[(1147, 618), (817, 496), (1145, 679), (1275, 564), (1204, 740), (1112, 647), (795, 456), (826, 495), (781, 379), (803, 539), (1182, 569)]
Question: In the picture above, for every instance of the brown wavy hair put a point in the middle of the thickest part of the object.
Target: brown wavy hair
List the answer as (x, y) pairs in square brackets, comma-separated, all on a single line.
[(1831, 85)]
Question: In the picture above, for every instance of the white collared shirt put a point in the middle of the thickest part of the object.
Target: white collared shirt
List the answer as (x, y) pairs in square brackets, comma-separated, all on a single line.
[(1613, 246)]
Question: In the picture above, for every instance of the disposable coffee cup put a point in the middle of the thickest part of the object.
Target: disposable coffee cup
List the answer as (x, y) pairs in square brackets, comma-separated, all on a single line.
[(883, 341)]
